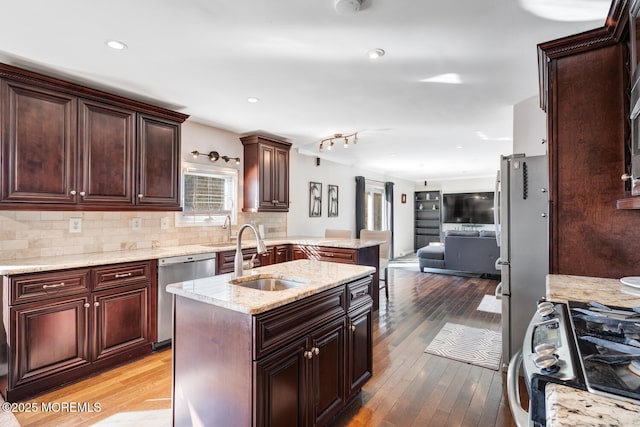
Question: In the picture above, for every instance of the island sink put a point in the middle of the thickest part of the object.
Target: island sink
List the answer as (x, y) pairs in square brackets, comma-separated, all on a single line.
[(267, 283)]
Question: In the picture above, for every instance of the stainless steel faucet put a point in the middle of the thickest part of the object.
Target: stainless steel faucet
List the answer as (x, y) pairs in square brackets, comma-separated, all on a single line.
[(227, 225), (239, 261)]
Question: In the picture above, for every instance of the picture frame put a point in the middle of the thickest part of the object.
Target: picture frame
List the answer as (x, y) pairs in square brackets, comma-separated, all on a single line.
[(332, 200), (315, 199)]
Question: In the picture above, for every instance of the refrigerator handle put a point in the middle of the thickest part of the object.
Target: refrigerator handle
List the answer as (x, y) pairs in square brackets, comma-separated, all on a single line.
[(496, 208), (498, 291)]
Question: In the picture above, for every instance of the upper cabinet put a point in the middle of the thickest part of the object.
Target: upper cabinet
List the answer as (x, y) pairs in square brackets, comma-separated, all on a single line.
[(266, 174), (66, 146)]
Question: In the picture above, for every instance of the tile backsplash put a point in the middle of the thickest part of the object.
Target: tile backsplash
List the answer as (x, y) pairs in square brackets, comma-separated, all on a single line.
[(32, 234)]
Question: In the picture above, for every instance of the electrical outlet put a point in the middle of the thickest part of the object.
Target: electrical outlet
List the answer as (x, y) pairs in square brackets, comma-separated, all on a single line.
[(136, 223), (164, 223), (75, 225)]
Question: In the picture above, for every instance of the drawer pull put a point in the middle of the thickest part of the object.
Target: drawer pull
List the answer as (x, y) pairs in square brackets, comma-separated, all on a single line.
[(58, 285), (315, 351), (120, 276), (87, 305), (360, 293), (96, 304), (308, 355)]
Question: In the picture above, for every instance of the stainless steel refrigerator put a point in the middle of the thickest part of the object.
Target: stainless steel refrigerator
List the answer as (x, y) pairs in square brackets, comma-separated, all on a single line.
[(523, 236)]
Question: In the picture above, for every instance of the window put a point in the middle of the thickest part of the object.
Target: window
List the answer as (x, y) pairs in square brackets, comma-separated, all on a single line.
[(209, 194), (374, 212)]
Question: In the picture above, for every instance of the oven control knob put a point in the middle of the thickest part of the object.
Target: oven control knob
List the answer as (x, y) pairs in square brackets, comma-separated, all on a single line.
[(545, 348), (545, 361), (546, 308)]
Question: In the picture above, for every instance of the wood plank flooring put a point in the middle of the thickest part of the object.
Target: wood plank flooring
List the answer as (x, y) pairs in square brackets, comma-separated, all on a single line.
[(409, 387)]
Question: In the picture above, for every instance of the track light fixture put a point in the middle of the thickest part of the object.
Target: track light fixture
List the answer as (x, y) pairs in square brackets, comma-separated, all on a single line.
[(214, 156), (330, 140)]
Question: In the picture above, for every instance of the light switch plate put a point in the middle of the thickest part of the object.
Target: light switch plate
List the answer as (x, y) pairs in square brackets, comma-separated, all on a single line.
[(75, 225), (136, 223)]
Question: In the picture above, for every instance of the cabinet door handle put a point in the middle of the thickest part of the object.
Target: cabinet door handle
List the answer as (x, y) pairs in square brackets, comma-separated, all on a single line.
[(96, 304), (57, 285), (308, 355), (73, 192), (82, 193), (120, 276), (140, 196), (87, 305), (315, 351), (353, 328)]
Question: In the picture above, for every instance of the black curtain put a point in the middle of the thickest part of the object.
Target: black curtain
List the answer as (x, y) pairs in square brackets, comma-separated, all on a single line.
[(388, 194), (360, 219)]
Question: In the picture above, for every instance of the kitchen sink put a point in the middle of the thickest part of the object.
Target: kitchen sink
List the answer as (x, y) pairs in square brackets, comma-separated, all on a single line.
[(267, 283)]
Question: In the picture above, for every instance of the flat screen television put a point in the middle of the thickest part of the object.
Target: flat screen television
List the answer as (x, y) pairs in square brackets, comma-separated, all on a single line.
[(468, 208)]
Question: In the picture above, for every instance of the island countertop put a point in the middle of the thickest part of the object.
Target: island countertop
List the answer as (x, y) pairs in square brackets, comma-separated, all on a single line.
[(33, 265), (315, 276), (567, 406)]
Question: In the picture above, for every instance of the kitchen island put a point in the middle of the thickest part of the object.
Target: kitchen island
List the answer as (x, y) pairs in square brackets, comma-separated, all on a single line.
[(566, 406), (295, 356)]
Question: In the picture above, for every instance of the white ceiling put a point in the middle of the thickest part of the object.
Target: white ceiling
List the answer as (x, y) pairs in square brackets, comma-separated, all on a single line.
[(309, 68)]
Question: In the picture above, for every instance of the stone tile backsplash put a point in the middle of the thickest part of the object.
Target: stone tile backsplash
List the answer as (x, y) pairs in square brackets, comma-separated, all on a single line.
[(32, 234)]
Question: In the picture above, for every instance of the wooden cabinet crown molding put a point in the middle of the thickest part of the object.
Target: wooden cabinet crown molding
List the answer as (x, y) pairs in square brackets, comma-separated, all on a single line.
[(613, 30), (30, 77)]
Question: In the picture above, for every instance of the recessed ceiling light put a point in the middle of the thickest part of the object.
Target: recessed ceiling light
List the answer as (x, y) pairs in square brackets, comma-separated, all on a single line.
[(253, 99), (459, 147), (116, 44), (448, 78), (376, 53)]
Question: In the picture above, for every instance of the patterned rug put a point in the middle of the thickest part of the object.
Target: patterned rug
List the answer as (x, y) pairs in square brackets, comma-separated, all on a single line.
[(482, 347), (491, 304)]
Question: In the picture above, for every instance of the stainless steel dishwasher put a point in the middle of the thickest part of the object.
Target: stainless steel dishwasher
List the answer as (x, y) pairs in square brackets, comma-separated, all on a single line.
[(172, 270)]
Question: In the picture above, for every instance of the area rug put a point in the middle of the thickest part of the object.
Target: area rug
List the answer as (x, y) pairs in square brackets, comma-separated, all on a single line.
[(491, 304), (482, 347)]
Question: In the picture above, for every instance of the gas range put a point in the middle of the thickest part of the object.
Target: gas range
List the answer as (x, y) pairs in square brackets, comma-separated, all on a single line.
[(588, 346)]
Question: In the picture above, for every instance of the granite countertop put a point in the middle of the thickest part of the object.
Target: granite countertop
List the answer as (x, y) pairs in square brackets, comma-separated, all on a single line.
[(32, 265), (315, 276), (567, 406)]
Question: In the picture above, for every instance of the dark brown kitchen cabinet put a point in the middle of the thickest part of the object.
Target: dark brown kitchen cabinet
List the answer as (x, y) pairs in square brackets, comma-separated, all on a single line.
[(158, 162), (281, 253), (304, 383), (308, 358), (266, 174), (66, 146), (65, 325)]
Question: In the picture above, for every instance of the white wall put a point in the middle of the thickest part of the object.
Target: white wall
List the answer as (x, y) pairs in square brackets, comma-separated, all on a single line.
[(304, 170)]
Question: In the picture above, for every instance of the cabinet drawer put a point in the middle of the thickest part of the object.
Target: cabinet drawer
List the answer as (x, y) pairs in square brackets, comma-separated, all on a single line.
[(346, 256), (287, 323), (120, 275), (358, 292), (42, 286)]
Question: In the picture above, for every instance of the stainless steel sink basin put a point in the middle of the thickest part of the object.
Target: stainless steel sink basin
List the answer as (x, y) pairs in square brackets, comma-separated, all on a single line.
[(267, 283)]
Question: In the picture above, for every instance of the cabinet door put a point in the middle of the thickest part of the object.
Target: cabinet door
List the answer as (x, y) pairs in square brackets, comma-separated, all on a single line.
[(120, 320), (158, 162), (281, 254), (38, 145), (281, 387), (267, 167), (106, 140), (281, 179), (328, 371), (48, 338), (359, 349)]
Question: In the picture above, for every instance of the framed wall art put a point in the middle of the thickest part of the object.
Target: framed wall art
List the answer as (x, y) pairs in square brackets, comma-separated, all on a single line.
[(315, 199), (332, 197)]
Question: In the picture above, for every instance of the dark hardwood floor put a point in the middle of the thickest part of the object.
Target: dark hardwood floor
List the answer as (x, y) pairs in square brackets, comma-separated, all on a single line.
[(409, 387)]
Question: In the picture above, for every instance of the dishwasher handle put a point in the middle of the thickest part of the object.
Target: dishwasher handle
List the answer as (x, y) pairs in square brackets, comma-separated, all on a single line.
[(162, 262)]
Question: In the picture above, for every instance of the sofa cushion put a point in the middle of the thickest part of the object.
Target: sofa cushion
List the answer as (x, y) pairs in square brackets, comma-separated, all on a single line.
[(462, 233), (488, 233), (431, 252)]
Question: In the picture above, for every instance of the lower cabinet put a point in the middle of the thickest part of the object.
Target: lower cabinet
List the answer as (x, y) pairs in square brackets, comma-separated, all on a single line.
[(296, 365), (59, 329), (303, 384)]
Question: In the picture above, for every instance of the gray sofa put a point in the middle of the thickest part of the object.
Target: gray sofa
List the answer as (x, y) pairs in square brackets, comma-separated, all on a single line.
[(465, 251)]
